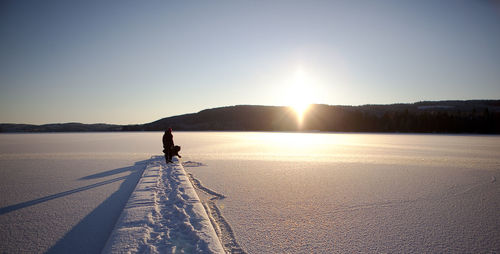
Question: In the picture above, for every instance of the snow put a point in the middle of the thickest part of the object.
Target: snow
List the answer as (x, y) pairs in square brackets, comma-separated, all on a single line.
[(164, 215), (356, 193), (277, 192), (63, 193)]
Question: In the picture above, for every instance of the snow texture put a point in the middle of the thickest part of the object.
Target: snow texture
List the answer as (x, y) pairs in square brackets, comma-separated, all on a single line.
[(164, 215)]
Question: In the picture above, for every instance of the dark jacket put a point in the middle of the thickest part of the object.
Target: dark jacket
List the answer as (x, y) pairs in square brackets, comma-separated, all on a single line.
[(168, 140)]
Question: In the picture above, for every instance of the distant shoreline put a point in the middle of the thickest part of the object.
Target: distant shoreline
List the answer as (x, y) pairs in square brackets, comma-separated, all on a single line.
[(440, 117), (277, 132)]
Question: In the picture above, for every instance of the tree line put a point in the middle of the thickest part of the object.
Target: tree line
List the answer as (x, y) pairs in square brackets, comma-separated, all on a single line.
[(407, 118)]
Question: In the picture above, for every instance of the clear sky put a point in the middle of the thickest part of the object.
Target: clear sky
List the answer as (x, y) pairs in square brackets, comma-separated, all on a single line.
[(138, 61)]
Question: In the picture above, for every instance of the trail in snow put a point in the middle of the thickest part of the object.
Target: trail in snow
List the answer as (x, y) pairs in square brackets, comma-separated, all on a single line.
[(221, 226), (164, 215)]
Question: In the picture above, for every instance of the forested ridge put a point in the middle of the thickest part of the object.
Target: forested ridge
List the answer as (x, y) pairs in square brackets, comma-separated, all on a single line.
[(473, 116), (481, 116)]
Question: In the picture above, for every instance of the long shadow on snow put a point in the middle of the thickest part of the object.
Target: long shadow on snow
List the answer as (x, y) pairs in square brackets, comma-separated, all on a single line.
[(114, 171), (15, 207), (92, 232)]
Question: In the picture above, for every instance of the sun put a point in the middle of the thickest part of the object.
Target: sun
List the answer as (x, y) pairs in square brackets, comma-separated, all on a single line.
[(300, 109), (298, 91), (299, 95), (299, 101)]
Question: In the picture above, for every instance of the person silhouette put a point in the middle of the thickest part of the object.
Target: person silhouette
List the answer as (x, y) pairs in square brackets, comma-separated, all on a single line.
[(168, 145)]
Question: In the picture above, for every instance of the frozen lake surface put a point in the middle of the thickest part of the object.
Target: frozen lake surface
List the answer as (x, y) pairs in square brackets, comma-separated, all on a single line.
[(63, 193), (285, 192), (355, 192)]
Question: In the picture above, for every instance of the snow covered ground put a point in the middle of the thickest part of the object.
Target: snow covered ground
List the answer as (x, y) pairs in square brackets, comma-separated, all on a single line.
[(164, 215), (284, 192), (63, 193), (355, 193)]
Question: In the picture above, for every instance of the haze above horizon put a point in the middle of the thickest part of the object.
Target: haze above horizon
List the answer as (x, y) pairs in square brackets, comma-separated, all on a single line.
[(134, 62)]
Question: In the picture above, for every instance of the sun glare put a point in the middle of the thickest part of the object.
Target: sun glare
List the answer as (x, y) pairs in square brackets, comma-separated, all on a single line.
[(300, 109), (300, 94)]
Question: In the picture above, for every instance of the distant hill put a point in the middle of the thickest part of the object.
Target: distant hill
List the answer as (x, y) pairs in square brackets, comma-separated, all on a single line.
[(60, 127), (233, 118), (473, 116)]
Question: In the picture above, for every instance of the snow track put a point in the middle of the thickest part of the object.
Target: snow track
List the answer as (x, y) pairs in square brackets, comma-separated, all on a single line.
[(163, 215)]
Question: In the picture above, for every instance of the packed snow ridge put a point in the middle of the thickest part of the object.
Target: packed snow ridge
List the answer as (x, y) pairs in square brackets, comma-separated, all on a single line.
[(164, 215)]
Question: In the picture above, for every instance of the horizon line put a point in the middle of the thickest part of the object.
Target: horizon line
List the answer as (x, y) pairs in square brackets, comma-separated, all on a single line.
[(216, 107)]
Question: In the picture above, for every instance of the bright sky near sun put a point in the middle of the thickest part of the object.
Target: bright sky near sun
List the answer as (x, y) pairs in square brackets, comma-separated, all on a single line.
[(139, 61)]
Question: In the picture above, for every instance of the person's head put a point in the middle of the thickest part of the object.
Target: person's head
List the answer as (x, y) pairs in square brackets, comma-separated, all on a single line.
[(169, 130)]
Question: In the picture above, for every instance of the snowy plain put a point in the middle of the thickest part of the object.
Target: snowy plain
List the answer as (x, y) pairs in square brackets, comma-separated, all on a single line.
[(62, 193), (285, 192), (346, 193)]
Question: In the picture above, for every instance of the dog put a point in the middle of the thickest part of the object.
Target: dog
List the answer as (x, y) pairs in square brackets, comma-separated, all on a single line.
[(174, 151)]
